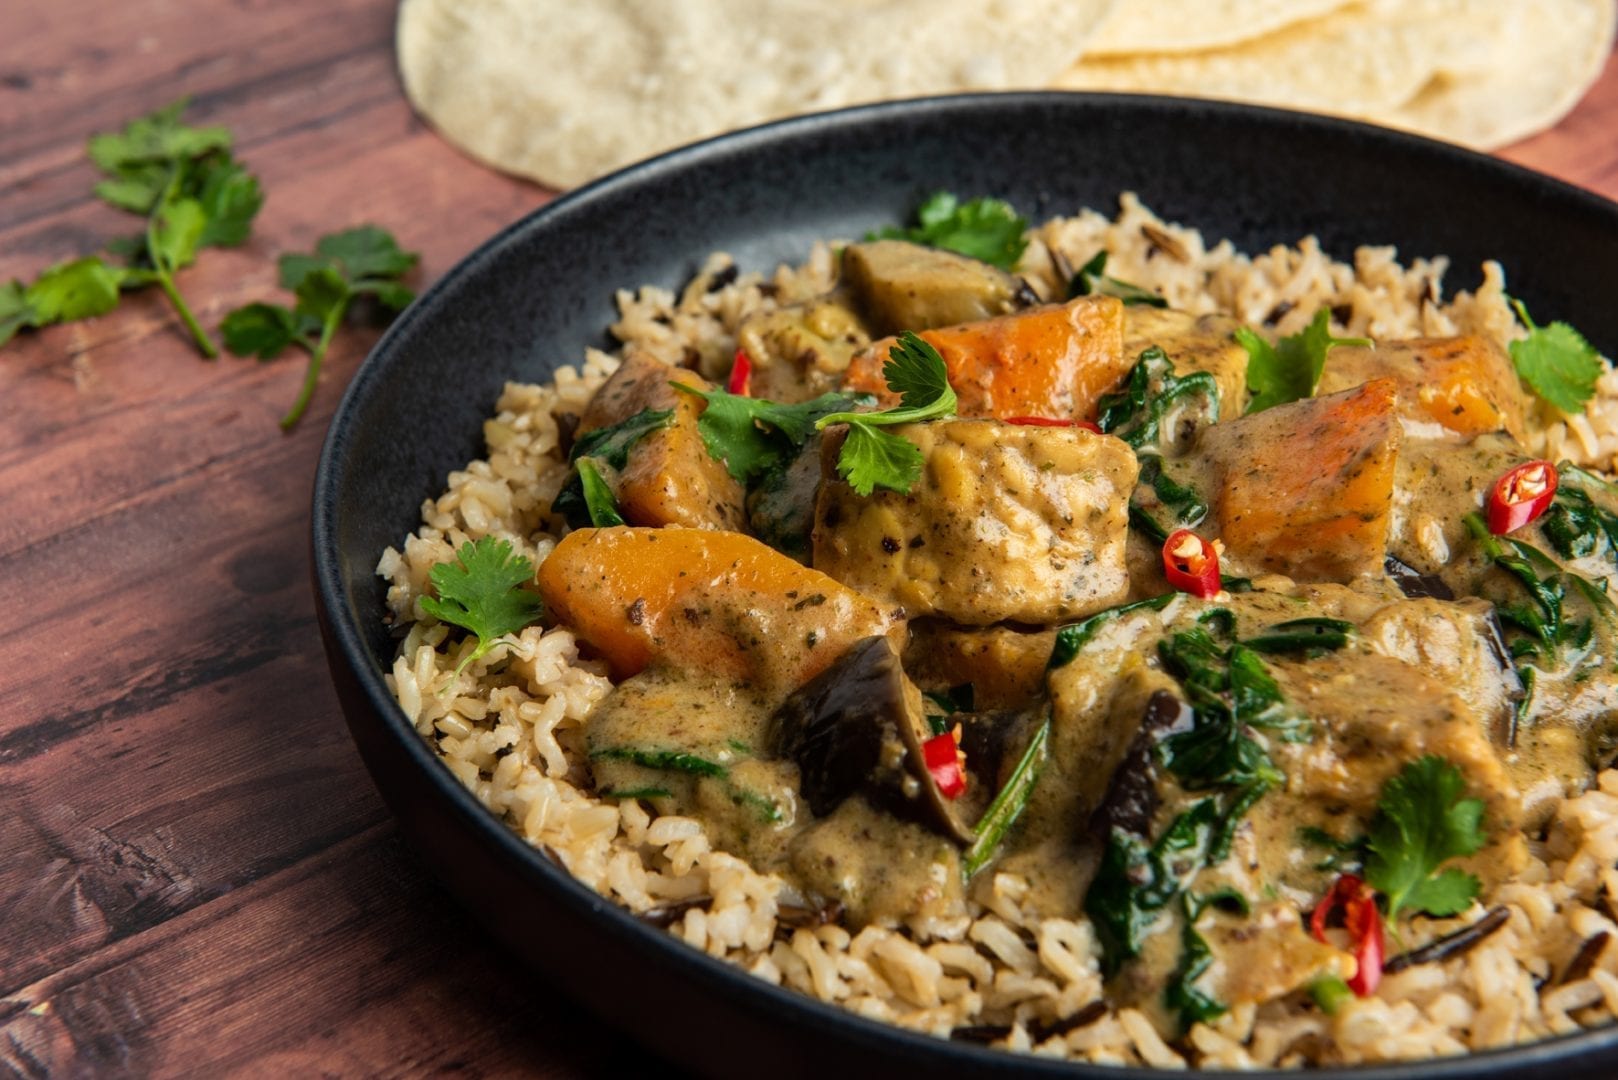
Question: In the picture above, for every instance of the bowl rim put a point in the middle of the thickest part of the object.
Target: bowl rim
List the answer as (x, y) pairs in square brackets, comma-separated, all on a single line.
[(345, 640)]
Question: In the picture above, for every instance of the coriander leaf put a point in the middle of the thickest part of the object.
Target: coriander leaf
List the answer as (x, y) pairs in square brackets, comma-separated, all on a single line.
[(916, 372), (598, 497), (230, 198), (366, 251), (752, 435), (986, 229), (1422, 821), (1091, 280), (72, 290), (481, 592), (177, 233), (1290, 369), (1556, 362), (390, 294), (135, 190), (325, 284), (262, 330), (322, 294), (157, 137), (871, 459), (15, 311)]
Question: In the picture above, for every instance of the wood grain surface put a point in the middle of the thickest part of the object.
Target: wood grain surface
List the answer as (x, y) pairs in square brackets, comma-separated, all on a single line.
[(196, 876)]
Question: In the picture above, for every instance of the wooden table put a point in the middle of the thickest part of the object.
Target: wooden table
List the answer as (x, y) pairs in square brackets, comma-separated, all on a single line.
[(196, 875)]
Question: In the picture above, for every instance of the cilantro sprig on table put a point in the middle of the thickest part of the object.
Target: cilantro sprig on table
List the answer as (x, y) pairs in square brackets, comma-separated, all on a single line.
[(1421, 822), (364, 261), (873, 458), (193, 194), (1290, 369), (1556, 362), (482, 592), (986, 229)]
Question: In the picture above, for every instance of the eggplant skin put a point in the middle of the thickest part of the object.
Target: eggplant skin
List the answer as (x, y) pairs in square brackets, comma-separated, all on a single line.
[(834, 725)]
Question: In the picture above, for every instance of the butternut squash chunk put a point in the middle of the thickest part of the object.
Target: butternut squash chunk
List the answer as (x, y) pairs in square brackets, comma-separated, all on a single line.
[(1464, 384), (670, 478), (717, 602), (1306, 489), (1054, 361)]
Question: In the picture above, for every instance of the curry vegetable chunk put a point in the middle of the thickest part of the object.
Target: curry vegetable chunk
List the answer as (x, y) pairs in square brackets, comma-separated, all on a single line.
[(670, 478), (1052, 361), (1007, 523), (970, 672)]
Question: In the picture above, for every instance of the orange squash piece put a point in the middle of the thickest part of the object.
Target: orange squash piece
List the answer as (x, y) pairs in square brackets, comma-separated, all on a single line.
[(670, 478), (1306, 489), (1465, 384), (1055, 361), (718, 602)]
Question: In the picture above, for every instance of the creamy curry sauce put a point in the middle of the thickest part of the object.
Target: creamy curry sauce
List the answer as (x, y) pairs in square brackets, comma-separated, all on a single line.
[(773, 688)]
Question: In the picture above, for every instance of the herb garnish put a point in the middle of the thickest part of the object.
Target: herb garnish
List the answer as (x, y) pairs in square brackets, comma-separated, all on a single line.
[(192, 193), (1008, 804), (1135, 413), (609, 446), (1421, 822), (1556, 362), (1290, 369), (872, 458), (1091, 280), (365, 261), (986, 229), (1576, 525), (753, 435), (482, 592), (1075, 636)]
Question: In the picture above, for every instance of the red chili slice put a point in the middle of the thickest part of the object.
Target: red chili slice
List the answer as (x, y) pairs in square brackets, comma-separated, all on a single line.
[(1191, 564), (944, 760), (1051, 421), (1363, 922), (1520, 496), (741, 375)]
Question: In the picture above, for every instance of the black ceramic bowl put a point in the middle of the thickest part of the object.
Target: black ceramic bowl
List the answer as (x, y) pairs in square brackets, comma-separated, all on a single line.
[(535, 295)]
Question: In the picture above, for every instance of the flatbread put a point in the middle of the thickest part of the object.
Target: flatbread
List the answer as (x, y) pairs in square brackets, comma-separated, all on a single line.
[(1364, 59), (1558, 52), (1174, 26), (565, 91)]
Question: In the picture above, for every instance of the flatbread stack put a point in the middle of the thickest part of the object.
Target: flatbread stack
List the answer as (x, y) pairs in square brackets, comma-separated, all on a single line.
[(564, 92)]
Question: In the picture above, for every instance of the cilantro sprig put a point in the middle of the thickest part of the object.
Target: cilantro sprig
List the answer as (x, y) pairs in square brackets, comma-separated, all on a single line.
[(1290, 369), (1556, 362), (873, 458), (365, 261), (754, 435), (193, 194), (986, 229), (1422, 821), (482, 592)]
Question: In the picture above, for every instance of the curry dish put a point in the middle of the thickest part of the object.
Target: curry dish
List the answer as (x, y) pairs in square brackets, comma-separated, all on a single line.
[(941, 584)]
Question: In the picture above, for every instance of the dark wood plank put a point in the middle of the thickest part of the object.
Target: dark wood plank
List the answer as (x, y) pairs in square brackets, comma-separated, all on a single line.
[(198, 876)]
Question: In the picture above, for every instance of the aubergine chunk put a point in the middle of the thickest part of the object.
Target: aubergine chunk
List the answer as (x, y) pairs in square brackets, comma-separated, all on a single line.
[(800, 351), (858, 728), (1465, 385), (1005, 666), (1306, 489), (1006, 523), (903, 286), (781, 505), (1193, 343), (670, 478)]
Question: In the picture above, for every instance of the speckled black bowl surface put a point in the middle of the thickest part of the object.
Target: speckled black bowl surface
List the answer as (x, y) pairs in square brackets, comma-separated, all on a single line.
[(537, 294)]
